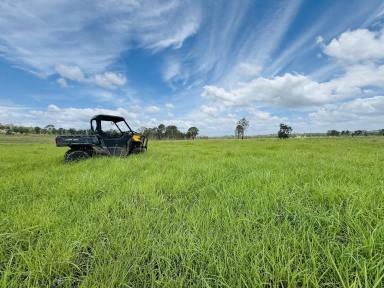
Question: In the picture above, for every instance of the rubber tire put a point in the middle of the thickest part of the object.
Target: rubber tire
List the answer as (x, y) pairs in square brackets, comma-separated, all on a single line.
[(76, 155), (138, 150)]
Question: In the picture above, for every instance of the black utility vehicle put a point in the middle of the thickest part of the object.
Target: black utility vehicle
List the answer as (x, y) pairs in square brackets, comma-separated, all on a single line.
[(111, 136)]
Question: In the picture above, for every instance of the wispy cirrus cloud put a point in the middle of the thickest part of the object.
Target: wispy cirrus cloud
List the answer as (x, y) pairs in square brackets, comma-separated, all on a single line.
[(35, 35), (227, 39), (271, 31)]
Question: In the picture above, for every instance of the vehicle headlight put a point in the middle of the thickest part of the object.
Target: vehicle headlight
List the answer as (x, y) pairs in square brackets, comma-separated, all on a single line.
[(136, 138)]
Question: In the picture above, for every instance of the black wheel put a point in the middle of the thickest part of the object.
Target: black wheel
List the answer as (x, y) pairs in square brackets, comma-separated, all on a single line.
[(138, 150), (76, 155)]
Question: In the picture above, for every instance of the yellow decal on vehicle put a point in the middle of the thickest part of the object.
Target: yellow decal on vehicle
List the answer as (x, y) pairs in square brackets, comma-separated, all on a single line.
[(136, 138)]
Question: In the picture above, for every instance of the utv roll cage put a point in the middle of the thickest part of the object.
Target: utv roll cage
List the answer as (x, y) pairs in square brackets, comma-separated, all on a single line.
[(110, 118)]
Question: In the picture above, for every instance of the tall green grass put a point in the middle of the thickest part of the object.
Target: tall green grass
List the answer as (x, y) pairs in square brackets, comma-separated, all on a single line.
[(214, 213)]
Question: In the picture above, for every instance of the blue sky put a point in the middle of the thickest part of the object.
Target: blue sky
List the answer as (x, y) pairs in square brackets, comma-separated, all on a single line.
[(315, 65)]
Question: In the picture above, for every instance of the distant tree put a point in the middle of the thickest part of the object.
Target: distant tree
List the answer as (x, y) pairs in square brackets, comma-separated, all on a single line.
[(141, 130), (241, 126), (160, 131), (360, 133), (149, 132), (192, 132), (181, 135), (345, 133), (284, 131), (381, 132), (333, 133), (239, 131), (61, 131), (20, 129), (50, 128), (153, 133), (357, 133), (171, 132), (37, 130)]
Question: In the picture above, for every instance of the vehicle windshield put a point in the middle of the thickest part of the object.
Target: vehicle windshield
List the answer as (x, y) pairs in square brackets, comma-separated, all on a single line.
[(113, 129), (123, 126)]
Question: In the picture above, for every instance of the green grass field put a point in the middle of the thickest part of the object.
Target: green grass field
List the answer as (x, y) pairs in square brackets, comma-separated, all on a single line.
[(204, 213)]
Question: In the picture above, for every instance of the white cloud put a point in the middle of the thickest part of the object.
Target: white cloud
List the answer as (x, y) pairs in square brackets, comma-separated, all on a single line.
[(109, 80), (360, 113), (356, 46), (319, 40), (357, 77), (169, 106), (209, 110), (218, 92), (263, 115), (298, 90), (60, 117), (62, 82), (152, 109), (70, 72), (287, 90), (373, 106), (53, 108)]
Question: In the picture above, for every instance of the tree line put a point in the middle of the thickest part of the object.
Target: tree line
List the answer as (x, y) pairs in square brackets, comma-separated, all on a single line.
[(159, 132), (285, 131), (355, 133), (49, 130), (173, 132), (169, 132)]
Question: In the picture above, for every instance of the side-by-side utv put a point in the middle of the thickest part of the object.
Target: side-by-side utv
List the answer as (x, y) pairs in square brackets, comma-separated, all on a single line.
[(110, 136)]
